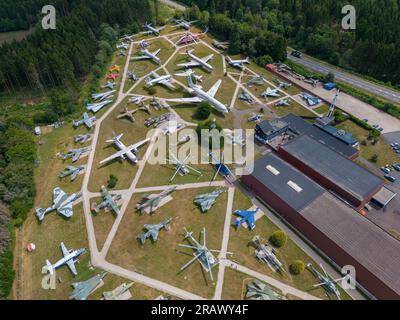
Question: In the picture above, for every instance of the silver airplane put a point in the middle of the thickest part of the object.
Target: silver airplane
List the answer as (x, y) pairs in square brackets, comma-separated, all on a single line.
[(128, 38), (255, 117), (70, 257), (267, 254), (94, 107), (152, 201), (172, 127), (270, 93), (153, 230), (190, 72), (220, 45), (197, 62), (282, 84), (126, 113), (82, 138), (282, 103), (184, 24), (123, 45), (256, 81), (125, 152), (146, 54), (110, 85), (138, 100), (84, 288), (131, 75), (164, 80), (109, 202), (206, 200), (75, 154), (159, 104), (201, 95), (238, 63), (120, 293), (326, 281), (244, 96), (86, 120), (257, 290), (181, 167), (103, 95), (62, 203), (143, 44), (152, 30), (71, 171)]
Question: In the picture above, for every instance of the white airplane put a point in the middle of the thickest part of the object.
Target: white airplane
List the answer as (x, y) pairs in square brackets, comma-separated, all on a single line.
[(94, 107), (103, 95), (123, 45), (190, 72), (238, 63), (110, 85), (184, 24), (163, 80), (143, 44), (128, 38), (86, 120), (146, 54), (70, 257), (172, 127), (201, 95), (124, 152), (152, 30), (270, 93), (283, 103), (136, 100), (255, 117), (197, 62)]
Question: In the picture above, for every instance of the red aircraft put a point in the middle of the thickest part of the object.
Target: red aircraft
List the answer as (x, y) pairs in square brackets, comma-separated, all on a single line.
[(191, 37), (112, 76)]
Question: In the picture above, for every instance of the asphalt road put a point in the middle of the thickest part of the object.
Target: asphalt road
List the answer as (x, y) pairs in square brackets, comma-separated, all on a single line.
[(357, 82)]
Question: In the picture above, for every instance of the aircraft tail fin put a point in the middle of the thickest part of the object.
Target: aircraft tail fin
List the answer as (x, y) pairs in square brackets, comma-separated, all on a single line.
[(40, 212), (115, 138), (49, 267), (141, 238), (237, 223)]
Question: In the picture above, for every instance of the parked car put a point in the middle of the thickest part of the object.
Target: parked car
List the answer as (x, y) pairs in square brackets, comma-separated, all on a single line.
[(397, 166), (385, 170), (296, 54), (390, 178)]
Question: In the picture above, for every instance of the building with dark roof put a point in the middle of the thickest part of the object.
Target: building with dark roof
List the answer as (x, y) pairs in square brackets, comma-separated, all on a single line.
[(331, 170), (329, 224)]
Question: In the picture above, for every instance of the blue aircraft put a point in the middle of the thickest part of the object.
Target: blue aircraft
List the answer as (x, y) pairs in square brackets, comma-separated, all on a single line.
[(246, 216), (221, 168)]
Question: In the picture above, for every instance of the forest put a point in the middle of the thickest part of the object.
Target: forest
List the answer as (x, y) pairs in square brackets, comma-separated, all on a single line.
[(314, 26)]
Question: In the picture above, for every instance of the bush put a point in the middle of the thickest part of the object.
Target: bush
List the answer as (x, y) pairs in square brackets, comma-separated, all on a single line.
[(278, 238), (297, 267), (329, 77), (203, 111), (112, 182), (374, 158), (151, 90)]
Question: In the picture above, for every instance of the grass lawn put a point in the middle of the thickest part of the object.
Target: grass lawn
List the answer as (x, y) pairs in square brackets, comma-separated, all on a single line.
[(163, 259), (14, 35), (322, 109), (102, 223)]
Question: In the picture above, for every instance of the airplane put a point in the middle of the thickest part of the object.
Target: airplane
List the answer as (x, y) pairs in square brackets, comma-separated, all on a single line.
[(62, 203), (127, 38), (152, 201), (182, 140), (282, 84), (131, 75), (152, 30), (201, 253), (138, 100), (75, 154), (84, 288), (257, 290), (238, 63), (172, 127), (123, 45), (206, 200), (122, 53), (144, 44), (110, 85), (82, 138), (157, 121), (220, 45), (255, 117), (256, 81), (267, 254), (70, 257), (270, 93), (201, 95), (190, 38), (184, 23), (312, 81), (236, 140), (115, 68), (112, 76), (326, 281), (86, 120), (246, 97), (164, 80), (197, 62), (153, 230), (94, 107), (159, 104), (190, 72), (103, 95), (245, 216), (310, 99), (181, 167), (146, 54), (71, 171), (124, 151), (120, 293), (109, 202), (125, 112), (221, 168), (283, 102)]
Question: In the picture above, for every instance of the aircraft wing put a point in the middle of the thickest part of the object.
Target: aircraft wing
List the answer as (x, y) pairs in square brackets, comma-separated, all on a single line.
[(168, 84), (66, 210), (212, 92), (240, 213), (156, 52), (64, 249), (154, 234), (186, 100), (114, 207), (57, 194), (71, 266), (143, 57), (139, 144), (88, 122), (251, 221), (192, 63), (208, 58), (116, 155)]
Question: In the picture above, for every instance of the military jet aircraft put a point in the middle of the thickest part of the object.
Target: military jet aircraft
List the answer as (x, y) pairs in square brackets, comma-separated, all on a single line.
[(159, 104), (152, 201), (126, 113), (112, 76), (220, 45), (86, 120), (190, 38), (188, 73), (146, 54), (123, 45), (152, 30), (143, 44), (201, 253), (246, 97), (256, 81), (310, 99), (153, 230), (267, 254), (82, 138), (201, 95), (109, 202), (70, 257), (131, 75), (283, 102), (270, 93), (197, 62), (94, 107), (159, 120), (164, 80), (120, 293), (206, 200), (221, 168), (172, 127), (282, 84), (256, 290), (255, 117), (127, 38), (124, 151), (138, 100), (181, 167), (184, 24), (326, 281), (75, 154), (238, 63), (84, 288), (245, 216), (71, 171), (115, 68), (62, 203), (110, 85), (103, 95), (182, 140)]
